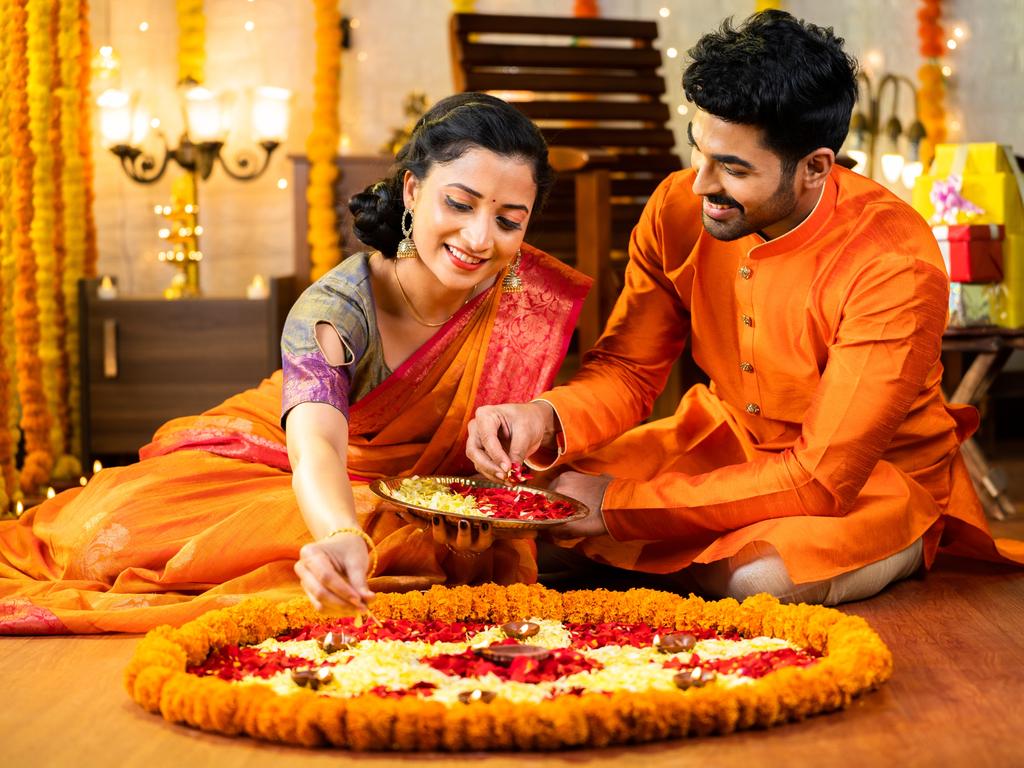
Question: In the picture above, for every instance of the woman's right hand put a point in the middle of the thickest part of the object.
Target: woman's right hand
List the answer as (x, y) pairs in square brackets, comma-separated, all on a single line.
[(333, 572)]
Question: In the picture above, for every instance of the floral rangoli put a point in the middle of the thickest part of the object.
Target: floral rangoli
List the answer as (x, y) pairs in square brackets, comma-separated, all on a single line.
[(520, 667)]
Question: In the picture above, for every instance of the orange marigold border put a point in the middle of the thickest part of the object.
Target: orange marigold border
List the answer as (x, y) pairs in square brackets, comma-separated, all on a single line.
[(855, 661)]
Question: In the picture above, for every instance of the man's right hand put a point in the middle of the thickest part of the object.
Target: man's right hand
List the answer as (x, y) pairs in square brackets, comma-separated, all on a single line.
[(503, 435)]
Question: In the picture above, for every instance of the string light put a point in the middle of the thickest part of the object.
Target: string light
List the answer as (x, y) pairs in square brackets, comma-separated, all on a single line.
[(682, 109), (96, 466), (951, 44), (282, 183), (250, 26), (671, 53), (144, 26), (664, 13), (947, 70)]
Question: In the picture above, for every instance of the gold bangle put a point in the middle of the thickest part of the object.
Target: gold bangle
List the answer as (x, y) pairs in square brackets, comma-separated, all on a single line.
[(371, 548)]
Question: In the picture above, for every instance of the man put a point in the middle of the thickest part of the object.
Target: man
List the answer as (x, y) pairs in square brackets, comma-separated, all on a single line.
[(822, 462)]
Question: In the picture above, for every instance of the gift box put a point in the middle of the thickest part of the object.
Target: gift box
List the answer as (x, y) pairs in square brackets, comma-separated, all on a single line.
[(1013, 282), (976, 304), (995, 193), (973, 253), (980, 159), (988, 179)]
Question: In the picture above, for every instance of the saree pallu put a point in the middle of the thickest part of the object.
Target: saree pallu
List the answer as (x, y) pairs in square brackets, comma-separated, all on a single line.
[(208, 516)]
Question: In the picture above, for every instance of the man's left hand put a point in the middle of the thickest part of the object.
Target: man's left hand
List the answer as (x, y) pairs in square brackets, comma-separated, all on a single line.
[(588, 489)]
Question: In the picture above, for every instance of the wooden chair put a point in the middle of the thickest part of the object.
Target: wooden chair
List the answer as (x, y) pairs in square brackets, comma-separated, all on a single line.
[(592, 85)]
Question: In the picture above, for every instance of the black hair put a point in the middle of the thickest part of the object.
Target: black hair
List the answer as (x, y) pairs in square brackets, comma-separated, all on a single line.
[(448, 130), (790, 78)]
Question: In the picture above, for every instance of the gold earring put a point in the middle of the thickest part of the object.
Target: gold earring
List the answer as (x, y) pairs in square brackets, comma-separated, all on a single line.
[(407, 248), (512, 283)]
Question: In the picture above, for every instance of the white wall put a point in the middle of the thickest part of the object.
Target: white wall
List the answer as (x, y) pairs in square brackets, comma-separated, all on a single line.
[(401, 46)]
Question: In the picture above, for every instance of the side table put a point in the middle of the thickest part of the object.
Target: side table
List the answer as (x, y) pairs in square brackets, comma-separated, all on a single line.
[(993, 347)]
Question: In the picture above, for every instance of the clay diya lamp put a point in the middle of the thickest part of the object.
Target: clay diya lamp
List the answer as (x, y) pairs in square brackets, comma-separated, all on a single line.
[(693, 678), (677, 642), (333, 642), (485, 697), (520, 630), (312, 678), (506, 654)]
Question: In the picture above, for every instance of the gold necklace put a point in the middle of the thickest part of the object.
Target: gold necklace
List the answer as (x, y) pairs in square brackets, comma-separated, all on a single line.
[(417, 315)]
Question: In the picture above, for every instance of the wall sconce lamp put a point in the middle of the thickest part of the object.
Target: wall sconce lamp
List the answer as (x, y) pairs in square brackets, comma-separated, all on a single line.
[(867, 136), (125, 125)]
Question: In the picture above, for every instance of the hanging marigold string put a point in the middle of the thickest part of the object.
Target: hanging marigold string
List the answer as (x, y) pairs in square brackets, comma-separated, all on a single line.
[(322, 144), (44, 202), (463, 6), (585, 9), (767, 5), (8, 439), (191, 41), (932, 93), (85, 141), (35, 418), (71, 223)]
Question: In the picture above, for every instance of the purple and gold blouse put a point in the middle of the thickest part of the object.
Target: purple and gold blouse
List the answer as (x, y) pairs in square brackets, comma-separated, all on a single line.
[(344, 299)]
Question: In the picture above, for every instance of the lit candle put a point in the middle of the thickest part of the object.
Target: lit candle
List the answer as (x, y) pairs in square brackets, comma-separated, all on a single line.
[(82, 480), (96, 467), (257, 289), (50, 493), (19, 508), (106, 289)]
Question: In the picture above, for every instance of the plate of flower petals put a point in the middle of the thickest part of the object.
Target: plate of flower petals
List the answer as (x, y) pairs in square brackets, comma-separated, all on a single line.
[(478, 500)]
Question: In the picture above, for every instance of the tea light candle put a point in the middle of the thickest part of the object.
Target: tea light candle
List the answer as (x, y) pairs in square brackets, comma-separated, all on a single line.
[(96, 467), (106, 289), (82, 480), (50, 493), (258, 288)]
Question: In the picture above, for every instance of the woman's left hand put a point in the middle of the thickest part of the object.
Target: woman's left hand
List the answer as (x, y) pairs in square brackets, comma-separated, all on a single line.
[(589, 490)]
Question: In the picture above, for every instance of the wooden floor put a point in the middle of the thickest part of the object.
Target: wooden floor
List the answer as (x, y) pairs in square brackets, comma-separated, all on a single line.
[(956, 698)]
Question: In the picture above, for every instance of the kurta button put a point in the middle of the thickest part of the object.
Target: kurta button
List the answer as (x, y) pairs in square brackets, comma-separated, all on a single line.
[(746, 272), (747, 368), (753, 408), (747, 320)]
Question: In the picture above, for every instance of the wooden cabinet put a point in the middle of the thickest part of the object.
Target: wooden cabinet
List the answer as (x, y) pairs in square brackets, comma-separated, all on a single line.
[(147, 360)]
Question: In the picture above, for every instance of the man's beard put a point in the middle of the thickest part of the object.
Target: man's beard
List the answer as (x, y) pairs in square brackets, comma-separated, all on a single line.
[(776, 209)]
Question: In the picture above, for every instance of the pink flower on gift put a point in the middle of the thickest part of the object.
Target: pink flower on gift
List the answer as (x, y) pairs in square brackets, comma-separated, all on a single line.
[(950, 203)]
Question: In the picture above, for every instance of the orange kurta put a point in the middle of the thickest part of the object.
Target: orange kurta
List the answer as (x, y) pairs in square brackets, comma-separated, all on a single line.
[(824, 431)]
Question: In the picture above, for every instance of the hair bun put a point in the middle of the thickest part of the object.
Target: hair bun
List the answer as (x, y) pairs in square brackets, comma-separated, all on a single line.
[(377, 216)]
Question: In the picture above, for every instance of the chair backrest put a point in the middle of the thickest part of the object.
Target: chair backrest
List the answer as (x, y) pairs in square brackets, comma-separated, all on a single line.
[(591, 84)]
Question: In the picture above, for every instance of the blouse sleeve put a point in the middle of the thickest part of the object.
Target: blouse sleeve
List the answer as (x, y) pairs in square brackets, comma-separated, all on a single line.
[(308, 376)]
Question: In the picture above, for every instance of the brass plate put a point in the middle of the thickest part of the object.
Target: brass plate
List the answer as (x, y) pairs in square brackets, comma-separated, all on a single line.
[(386, 487)]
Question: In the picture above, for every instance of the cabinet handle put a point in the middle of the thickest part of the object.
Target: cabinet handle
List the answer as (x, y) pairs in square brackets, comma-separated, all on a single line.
[(110, 349)]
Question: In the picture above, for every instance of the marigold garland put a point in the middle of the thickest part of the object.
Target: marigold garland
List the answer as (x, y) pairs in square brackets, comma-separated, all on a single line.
[(35, 418), (322, 144), (855, 661), (932, 93), (191, 41), (85, 141), (73, 197), (8, 439)]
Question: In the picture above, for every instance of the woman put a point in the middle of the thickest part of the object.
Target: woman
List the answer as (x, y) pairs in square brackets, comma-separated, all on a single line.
[(385, 361)]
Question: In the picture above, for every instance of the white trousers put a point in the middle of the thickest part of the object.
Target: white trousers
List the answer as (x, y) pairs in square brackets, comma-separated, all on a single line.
[(759, 568)]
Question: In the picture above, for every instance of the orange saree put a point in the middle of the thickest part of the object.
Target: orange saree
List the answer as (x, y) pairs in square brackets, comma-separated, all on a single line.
[(208, 517)]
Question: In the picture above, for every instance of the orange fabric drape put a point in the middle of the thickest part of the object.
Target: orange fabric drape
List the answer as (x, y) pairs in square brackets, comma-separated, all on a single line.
[(209, 517), (824, 432)]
